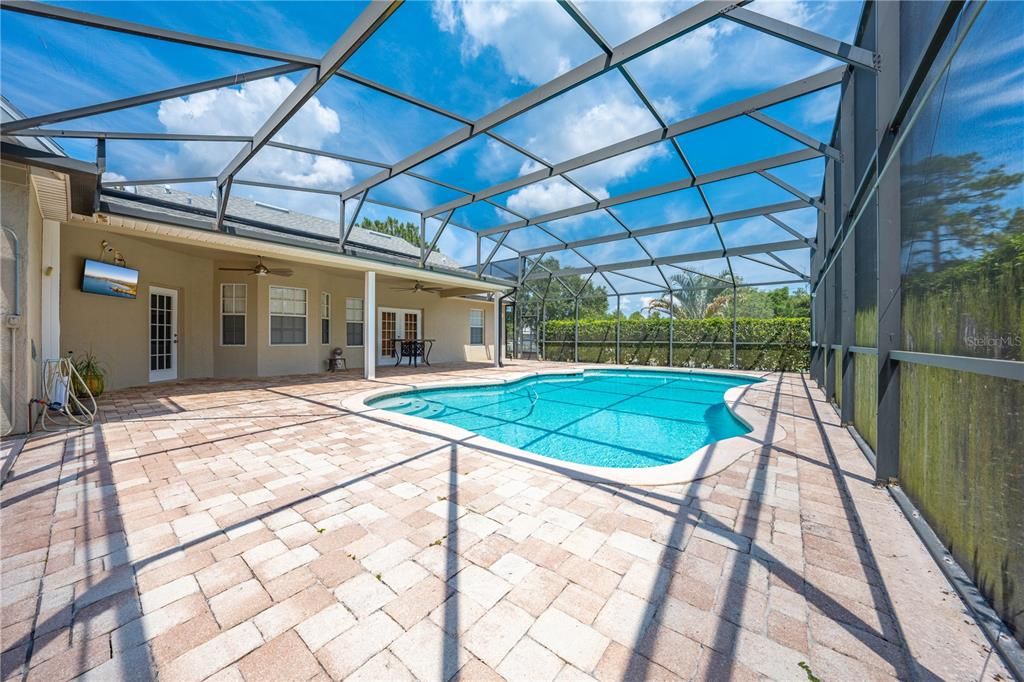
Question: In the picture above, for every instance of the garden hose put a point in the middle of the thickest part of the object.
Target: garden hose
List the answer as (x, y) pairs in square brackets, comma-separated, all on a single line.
[(65, 394)]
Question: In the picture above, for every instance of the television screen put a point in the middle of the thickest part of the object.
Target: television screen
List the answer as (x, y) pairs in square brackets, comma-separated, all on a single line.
[(109, 279)]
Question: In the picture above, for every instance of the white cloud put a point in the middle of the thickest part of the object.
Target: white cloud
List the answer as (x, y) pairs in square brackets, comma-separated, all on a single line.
[(111, 176), (536, 41), (593, 117), (794, 12), (821, 107), (544, 197), (242, 110)]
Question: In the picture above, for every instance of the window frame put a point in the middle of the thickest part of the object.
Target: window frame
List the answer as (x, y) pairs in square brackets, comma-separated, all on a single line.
[(244, 315), (271, 314), (361, 322), (325, 316), (482, 327)]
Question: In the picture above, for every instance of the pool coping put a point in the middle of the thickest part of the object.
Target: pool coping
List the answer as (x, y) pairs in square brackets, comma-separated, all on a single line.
[(706, 461)]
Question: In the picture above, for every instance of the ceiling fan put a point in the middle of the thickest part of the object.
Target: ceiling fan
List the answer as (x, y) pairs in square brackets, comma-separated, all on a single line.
[(417, 287), (261, 270)]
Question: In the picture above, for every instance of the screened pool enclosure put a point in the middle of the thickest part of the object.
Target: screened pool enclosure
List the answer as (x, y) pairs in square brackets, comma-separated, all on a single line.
[(639, 193)]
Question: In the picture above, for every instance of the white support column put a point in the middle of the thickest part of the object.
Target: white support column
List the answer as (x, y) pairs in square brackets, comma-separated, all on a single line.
[(497, 329), (50, 291), (370, 326)]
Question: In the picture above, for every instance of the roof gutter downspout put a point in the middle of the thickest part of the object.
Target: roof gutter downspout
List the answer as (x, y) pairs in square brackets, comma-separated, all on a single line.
[(12, 324)]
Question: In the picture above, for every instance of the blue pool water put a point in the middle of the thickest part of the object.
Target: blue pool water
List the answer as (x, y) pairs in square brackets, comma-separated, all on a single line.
[(610, 418)]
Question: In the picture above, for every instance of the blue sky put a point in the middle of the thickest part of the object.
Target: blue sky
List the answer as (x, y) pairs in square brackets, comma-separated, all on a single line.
[(467, 58)]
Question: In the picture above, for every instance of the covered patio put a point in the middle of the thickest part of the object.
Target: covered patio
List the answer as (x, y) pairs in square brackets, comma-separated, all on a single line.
[(253, 529)]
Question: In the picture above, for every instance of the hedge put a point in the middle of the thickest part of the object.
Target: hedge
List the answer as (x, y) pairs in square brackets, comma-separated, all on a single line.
[(781, 344)]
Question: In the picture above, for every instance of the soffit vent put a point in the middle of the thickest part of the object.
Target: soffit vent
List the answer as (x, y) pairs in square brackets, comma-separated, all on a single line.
[(53, 194)]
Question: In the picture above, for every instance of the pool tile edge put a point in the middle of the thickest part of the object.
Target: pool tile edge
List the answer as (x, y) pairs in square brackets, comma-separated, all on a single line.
[(706, 461)]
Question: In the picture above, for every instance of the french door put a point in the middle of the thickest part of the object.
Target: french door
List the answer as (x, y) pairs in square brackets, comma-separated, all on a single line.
[(396, 323), (163, 334)]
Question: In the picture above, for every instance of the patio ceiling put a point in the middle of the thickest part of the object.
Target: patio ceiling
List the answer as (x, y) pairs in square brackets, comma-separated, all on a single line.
[(500, 166)]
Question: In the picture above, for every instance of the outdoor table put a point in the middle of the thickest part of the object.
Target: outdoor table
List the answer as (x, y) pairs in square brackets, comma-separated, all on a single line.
[(412, 349)]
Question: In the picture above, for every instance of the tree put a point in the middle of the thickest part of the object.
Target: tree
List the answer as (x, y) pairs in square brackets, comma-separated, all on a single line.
[(952, 208), (559, 303), (403, 230), (693, 295)]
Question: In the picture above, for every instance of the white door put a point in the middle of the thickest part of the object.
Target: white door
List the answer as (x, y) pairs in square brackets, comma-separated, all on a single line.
[(163, 334), (395, 323)]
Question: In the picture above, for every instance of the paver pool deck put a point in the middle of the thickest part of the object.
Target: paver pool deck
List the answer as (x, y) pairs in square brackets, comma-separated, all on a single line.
[(256, 530)]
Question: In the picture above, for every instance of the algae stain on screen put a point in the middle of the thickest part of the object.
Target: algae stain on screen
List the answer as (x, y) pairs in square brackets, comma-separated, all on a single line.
[(609, 418)]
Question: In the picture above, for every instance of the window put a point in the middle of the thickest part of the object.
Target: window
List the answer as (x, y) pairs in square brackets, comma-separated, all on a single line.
[(353, 322), (325, 317), (232, 314), (287, 316), (476, 327)]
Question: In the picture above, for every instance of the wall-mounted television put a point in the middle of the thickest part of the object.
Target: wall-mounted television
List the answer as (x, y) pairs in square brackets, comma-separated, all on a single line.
[(108, 279)]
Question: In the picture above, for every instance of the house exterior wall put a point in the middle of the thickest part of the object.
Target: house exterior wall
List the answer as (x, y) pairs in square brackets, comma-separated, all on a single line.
[(20, 212), (117, 332)]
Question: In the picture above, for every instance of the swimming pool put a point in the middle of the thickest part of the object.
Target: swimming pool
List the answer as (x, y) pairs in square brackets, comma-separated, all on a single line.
[(604, 418)]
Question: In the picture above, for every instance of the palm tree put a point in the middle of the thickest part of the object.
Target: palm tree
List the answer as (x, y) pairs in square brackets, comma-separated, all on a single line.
[(694, 295)]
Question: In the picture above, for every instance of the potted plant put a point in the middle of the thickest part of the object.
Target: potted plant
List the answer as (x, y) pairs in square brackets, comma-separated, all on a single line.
[(91, 370)]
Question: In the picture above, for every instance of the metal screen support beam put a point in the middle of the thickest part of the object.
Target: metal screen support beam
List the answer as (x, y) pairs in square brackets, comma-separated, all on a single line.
[(765, 211), (110, 24), (890, 243), (341, 224), (664, 188), (795, 191), (671, 324), (792, 133), (490, 256), (364, 26), (618, 329), (101, 167), (355, 217), (847, 311), (688, 258), (817, 371), (917, 89), (847, 129), (423, 240), (787, 228), (686, 21), (785, 93), (440, 230), (790, 268), (828, 292), (734, 365), (542, 333), (576, 330), (223, 194), (830, 47), (148, 98), (126, 135)]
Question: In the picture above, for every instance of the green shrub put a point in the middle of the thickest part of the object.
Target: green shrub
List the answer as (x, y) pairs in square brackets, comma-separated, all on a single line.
[(762, 344)]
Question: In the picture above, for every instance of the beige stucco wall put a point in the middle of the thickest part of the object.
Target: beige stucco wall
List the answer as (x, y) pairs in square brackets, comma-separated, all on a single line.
[(20, 212), (116, 330)]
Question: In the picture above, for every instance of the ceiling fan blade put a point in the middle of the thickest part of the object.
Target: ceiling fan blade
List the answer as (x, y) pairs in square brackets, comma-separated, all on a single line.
[(283, 272), (236, 269)]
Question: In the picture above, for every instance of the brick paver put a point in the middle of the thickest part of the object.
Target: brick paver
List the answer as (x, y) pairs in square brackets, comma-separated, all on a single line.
[(255, 530)]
